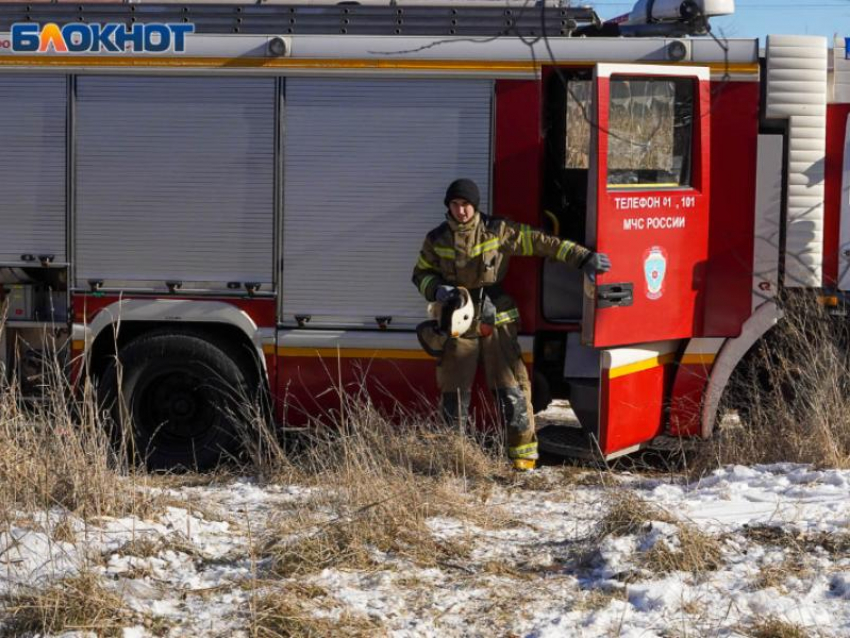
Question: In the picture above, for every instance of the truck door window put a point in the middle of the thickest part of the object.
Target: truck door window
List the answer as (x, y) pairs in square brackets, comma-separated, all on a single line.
[(650, 132), (578, 124)]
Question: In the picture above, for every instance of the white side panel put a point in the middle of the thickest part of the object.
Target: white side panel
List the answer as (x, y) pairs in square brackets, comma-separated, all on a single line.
[(797, 91), (844, 233), (619, 357), (32, 166), (768, 218), (367, 163), (175, 180), (405, 48)]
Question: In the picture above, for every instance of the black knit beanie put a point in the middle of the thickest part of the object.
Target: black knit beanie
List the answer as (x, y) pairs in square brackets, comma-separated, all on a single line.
[(463, 189)]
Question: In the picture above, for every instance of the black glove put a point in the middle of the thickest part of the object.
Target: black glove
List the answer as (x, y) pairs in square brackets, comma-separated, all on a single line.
[(597, 262), (444, 293), (488, 311)]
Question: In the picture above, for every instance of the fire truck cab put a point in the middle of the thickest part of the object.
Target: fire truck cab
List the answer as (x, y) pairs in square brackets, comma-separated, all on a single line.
[(255, 202)]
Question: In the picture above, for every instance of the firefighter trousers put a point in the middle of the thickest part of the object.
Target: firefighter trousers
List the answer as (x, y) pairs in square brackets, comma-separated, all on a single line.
[(507, 379)]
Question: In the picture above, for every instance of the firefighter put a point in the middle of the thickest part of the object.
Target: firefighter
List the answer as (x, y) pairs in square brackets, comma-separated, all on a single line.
[(471, 250)]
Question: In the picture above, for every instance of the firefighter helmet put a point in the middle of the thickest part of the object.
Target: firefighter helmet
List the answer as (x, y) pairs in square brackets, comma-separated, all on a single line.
[(449, 319), (455, 315)]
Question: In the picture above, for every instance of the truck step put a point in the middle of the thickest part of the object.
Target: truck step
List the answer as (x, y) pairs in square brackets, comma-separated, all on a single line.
[(560, 440)]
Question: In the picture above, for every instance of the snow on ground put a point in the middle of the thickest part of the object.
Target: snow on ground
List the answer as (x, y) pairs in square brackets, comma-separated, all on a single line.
[(782, 531)]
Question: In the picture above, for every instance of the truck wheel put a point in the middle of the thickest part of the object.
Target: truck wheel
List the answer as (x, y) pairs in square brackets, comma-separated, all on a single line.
[(181, 393)]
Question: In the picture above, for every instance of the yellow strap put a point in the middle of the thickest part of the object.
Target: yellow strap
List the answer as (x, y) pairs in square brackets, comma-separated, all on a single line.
[(446, 253)]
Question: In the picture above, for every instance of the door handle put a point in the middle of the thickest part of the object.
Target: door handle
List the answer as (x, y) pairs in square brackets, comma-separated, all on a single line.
[(614, 295)]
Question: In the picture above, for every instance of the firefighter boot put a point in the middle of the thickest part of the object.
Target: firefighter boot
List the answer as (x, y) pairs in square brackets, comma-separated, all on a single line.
[(522, 442)]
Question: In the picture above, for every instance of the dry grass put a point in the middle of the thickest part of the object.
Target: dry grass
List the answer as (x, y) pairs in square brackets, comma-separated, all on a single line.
[(697, 552), (798, 548), (792, 394), (355, 543), (776, 575), (148, 546), (63, 531), (693, 608), (74, 603), (629, 514), (358, 435), (372, 510), (55, 452), (596, 599), (775, 628), (800, 543), (557, 480), (380, 482), (58, 455), (304, 611)]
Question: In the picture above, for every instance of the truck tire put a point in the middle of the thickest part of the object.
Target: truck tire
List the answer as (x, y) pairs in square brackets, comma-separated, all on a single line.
[(182, 394)]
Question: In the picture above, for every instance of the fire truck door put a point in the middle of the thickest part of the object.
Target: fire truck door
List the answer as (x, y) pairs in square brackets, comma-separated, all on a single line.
[(648, 203)]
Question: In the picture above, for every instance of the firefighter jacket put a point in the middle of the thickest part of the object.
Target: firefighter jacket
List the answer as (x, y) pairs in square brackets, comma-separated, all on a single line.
[(475, 255)]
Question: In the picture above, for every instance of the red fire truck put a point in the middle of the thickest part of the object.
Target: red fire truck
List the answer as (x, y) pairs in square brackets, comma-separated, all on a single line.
[(245, 199)]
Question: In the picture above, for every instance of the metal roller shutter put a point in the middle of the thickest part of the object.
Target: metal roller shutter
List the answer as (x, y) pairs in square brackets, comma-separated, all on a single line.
[(367, 162), (175, 180), (32, 167)]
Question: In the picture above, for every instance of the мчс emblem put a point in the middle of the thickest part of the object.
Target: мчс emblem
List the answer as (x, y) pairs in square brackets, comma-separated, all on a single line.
[(654, 269)]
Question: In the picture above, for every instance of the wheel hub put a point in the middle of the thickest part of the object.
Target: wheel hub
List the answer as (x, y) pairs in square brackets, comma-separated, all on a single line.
[(178, 403)]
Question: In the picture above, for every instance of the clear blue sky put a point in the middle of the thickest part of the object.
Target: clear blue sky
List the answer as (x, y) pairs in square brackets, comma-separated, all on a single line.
[(757, 18)]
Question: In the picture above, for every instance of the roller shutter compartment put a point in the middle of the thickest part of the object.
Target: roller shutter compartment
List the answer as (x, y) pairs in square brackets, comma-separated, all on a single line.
[(175, 180), (367, 162), (32, 167)]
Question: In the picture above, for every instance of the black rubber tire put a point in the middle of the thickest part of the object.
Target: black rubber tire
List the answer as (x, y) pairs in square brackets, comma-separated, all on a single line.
[(183, 394)]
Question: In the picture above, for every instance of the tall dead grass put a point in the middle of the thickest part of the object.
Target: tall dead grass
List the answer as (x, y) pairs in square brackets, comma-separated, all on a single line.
[(57, 452), (377, 479), (791, 395), (78, 602), (381, 480)]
